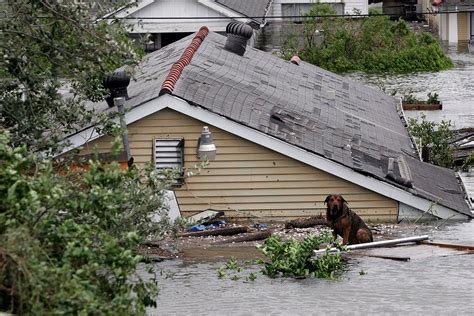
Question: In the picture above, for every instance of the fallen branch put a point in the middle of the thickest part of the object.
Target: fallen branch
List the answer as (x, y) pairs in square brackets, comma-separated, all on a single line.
[(226, 231), (396, 258), (249, 237), (305, 222)]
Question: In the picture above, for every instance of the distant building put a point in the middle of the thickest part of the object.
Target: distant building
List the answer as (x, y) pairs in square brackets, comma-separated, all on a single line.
[(298, 7), (453, 20), (155, 17)]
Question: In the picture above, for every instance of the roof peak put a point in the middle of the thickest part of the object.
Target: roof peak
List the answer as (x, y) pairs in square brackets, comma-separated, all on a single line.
[(175, 72)]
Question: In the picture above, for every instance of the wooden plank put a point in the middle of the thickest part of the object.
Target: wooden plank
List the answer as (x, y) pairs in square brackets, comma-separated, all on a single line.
[(258, 178), (224, 231), (350, 194), (282, 198), (259, 171), (448, 245), (334, 185), (280, 205)]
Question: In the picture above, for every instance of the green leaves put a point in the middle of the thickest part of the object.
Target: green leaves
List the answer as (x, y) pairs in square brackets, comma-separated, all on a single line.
[(372, 44), (48, 45), (294, 258), (68, 238), (437, 137)]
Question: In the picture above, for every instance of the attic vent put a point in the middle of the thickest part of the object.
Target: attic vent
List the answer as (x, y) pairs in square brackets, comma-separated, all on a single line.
[(169, 154), (237, 36)]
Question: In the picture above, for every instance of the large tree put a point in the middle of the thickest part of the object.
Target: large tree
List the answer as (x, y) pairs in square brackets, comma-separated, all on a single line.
[(46, 45)]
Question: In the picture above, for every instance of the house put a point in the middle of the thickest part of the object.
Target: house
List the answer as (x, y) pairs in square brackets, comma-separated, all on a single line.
[(453, 20), (153, 17), (296, 8), (287, 134)]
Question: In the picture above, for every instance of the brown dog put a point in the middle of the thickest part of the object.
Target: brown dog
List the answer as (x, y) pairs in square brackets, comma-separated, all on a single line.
[(345, 222)]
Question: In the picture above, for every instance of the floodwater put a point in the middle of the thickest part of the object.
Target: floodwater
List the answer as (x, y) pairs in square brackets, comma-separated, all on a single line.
[(429, 285), (455, 88)]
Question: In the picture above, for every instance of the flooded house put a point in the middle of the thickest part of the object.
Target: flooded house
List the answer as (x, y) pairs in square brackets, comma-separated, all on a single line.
[(279, 135)]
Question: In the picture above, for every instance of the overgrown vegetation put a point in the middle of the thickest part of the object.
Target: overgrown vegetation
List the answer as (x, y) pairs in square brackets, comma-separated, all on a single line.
[(47, 45), (68, 233), (371, 44), (436, 137), (68, 237), (293, 258)]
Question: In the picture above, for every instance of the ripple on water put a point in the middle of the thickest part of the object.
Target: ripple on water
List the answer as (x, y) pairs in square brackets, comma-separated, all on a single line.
[(437, 285)]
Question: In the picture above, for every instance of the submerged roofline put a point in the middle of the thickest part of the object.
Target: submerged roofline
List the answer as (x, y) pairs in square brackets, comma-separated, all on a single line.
[(179, 105)]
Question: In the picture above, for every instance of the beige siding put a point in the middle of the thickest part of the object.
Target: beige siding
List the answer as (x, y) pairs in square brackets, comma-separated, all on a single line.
[(247, 180), (463, 30)]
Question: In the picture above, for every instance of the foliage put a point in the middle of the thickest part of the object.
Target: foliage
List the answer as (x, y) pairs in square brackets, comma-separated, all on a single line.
[(436, 136), (232, 265), (294, 258), (47, 45), (371, 44), (410, 98), (68, 237), (433, 98), (468, 162)]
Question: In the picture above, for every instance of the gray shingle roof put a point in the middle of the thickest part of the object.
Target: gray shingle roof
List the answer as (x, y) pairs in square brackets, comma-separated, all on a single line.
[(324, 113)]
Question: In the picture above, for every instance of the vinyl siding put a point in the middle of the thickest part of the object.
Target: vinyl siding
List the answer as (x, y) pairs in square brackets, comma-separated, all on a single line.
[(463, 28), (246, 180)]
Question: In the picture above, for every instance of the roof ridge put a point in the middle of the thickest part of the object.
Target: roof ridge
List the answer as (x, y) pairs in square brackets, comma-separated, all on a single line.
[(185, 59)]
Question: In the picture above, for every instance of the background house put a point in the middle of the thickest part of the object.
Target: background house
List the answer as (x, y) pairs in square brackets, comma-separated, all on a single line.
[(287, 135), (455, 19), (299, 7), (153, 17)]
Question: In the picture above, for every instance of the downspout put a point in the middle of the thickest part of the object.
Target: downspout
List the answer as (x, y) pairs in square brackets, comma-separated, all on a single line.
[(119, 103)]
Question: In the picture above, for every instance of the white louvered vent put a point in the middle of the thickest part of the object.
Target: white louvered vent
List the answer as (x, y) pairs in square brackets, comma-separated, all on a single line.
[(168, 153)]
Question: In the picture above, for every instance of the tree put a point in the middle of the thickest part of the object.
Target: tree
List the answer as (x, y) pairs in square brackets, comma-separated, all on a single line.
[(46, 45), (68, 234), (372, 44), (437, 137), (68, 238)]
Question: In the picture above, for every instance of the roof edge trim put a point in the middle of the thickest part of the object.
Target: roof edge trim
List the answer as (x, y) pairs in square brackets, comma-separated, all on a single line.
[(177, 104), (175, 72)]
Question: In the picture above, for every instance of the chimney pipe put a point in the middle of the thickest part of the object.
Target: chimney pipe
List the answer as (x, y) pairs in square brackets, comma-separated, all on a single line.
[(237, 36), (117, 83)]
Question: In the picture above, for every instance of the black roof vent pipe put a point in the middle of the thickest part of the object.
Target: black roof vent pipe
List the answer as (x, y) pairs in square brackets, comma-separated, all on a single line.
[(117, 83), (237, 36)]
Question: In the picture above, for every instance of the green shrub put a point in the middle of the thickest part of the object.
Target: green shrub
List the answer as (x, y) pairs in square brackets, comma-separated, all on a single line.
[(295, 258), (68, 236), (372, 44), (437, 137)]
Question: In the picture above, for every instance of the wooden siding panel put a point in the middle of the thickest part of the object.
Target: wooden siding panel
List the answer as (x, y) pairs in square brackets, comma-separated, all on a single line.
[(246, 180), (463, 29)]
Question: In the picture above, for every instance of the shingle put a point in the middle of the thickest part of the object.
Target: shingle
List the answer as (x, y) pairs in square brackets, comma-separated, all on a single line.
[(321, 111)]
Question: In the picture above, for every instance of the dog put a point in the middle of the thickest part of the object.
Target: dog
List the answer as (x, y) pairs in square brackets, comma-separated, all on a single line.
[(345, 222)]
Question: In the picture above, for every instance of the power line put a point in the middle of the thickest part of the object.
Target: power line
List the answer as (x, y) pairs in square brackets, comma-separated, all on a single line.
[(276, 17)]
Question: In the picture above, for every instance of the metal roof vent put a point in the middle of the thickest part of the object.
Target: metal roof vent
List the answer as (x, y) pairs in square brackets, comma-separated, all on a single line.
[(117, 83), (237, 36)]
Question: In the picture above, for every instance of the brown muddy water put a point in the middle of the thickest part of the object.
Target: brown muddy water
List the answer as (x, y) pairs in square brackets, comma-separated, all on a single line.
[(425, 285)]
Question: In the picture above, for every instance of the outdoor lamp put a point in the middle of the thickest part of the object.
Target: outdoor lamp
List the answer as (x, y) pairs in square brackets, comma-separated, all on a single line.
[(206, 147)]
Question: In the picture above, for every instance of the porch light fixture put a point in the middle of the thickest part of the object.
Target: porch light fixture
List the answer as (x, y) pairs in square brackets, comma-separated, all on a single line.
[(206, 148)]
